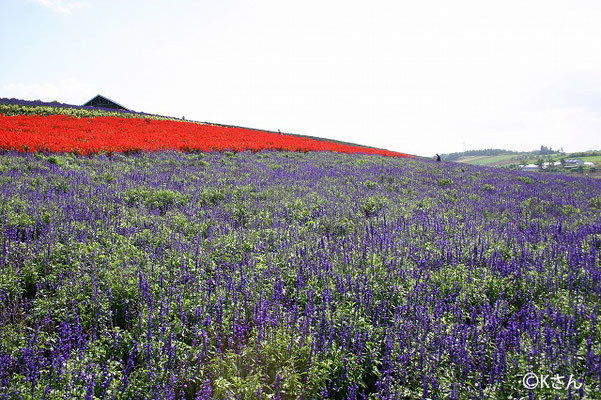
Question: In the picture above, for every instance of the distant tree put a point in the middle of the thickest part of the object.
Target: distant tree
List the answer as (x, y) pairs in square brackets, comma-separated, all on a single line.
[(540, 163)]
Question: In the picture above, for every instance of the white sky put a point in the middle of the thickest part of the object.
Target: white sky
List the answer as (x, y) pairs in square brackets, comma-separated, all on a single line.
[(420, 77)]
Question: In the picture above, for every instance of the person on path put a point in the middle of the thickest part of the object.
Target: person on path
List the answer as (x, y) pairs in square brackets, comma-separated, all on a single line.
[(437, 157)]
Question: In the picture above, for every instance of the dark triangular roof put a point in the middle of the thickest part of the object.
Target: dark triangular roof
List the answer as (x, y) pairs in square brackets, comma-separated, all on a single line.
[(101, 101)]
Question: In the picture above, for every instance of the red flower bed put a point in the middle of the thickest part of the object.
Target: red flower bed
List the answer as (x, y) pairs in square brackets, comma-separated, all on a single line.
[(58, 133)]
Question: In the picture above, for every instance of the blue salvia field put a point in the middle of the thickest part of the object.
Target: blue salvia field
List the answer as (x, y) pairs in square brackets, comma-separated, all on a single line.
[(295, 275)]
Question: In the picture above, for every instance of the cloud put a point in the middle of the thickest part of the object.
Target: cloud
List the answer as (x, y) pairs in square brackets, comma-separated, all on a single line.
[(63, 6), (69, 91)]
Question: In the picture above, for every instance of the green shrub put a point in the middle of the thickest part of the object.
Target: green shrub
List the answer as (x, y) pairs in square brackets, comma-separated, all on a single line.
[(444, 182), (161, 199), (595, 202), (280, 356), (372, 205), (212, 196)]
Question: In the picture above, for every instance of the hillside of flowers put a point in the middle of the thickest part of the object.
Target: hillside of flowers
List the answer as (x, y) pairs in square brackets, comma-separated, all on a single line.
[(32, 126), (286, 275)]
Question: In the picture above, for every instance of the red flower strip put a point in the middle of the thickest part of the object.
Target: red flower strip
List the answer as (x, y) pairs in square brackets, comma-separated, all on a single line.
[(59, 133)]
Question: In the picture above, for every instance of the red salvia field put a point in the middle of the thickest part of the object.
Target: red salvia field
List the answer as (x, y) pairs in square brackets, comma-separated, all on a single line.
[(59, 133)]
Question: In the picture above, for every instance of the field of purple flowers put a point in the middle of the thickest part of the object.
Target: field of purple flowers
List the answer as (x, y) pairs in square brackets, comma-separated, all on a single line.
[(288, 275)]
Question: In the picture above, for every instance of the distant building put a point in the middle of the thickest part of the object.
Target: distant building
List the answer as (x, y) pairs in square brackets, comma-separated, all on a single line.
[(101, 101), (530, 167), (589, 164), (574, 161)]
